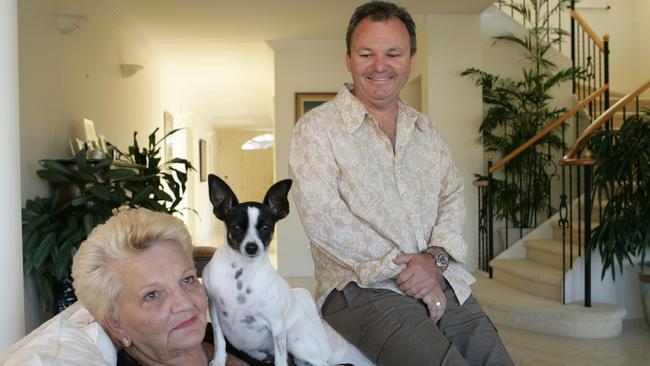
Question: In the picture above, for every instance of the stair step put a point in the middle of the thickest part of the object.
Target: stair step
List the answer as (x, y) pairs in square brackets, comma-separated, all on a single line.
[(549, 252), (578, 230), (515, 309), (529, 276)]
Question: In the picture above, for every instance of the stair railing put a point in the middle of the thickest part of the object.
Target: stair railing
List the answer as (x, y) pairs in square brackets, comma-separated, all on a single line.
[(573, 159), (486, 188), (590, 53)]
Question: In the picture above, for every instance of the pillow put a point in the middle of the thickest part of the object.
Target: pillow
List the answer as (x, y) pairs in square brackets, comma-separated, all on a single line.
[(70, 338)]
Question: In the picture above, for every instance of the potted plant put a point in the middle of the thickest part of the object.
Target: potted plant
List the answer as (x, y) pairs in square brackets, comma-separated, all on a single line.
[(622, 175), (85, 194), (518, 110)]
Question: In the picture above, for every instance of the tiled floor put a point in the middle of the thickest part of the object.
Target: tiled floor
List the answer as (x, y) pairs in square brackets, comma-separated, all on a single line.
[(632, 348)]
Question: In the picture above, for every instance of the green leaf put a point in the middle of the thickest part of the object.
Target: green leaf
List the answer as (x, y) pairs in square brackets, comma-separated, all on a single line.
[(119, 174), (89, 223), (44, 287), (55, 166), (143, 194), (80, 200), (84, 177), (44, 249), (62, 260), (100, 191), (52, 176), (162, 195)]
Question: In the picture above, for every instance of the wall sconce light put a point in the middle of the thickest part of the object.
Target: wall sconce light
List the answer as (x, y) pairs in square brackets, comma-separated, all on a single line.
[(68, 22), (129, 70)]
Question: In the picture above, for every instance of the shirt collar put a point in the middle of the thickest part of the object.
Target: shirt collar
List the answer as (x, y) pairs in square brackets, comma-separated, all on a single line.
[(353, 112)]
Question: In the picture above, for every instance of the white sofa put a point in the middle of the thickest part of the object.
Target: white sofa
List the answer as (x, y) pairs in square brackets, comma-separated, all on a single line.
[(71, 338)]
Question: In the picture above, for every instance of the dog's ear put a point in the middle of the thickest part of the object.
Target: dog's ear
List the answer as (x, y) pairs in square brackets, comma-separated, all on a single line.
[(222, 197), (276, 198)]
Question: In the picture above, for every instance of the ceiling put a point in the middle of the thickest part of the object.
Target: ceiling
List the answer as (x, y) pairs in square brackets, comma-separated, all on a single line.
[(255, 20), (216, 50)]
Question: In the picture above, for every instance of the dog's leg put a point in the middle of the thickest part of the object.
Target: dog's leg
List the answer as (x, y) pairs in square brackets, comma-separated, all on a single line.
[(280, 347), (219, 340)]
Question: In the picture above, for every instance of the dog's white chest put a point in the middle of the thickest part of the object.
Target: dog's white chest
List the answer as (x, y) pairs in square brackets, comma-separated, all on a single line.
[(245, 302)]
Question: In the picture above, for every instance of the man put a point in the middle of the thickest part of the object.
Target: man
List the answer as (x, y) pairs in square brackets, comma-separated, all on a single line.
[(381, 202)]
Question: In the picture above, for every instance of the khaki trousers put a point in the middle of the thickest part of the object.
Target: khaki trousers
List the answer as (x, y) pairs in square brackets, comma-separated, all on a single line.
[(394, 329)]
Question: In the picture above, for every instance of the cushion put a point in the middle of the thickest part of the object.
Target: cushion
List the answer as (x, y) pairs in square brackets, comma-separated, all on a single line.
[(70, 338)]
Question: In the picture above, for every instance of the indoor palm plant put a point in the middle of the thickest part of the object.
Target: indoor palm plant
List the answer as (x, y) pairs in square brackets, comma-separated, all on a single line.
[(518, 109), (85, 194), (622, 176)]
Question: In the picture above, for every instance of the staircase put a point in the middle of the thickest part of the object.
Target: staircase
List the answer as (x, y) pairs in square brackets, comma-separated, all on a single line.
[(537, 283), (525, 291)]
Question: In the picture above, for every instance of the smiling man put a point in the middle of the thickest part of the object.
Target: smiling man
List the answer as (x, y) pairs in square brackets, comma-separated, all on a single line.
[(381, 202)]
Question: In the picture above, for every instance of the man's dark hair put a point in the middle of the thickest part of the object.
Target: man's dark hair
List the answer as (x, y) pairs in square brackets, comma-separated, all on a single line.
[(381, 11)]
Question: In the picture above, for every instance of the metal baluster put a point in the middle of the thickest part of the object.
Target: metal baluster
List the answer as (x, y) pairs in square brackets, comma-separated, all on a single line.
[(587, 232), (573, 45), (490, 217), (563, 218)]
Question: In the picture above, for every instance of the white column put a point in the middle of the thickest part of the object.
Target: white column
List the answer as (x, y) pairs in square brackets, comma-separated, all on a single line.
[(12, 317)]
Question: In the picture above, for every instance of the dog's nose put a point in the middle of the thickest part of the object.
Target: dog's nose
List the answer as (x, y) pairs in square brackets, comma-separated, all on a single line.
[(251, 248)]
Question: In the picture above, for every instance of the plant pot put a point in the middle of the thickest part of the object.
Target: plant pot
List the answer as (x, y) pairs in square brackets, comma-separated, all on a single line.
[(644, 282), (514, 234)]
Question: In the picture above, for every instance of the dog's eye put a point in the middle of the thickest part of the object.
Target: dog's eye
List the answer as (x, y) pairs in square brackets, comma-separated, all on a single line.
[(265, 227), (235, 228)]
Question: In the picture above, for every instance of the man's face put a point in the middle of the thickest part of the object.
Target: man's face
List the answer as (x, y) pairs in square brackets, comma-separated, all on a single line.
[(380, 61)]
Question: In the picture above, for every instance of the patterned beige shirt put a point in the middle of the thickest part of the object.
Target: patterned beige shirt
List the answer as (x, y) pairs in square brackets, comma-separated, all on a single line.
[(362, 203)]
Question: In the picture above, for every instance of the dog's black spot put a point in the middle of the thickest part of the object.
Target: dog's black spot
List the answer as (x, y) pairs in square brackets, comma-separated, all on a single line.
[(233, 264), (240, 285), (241, 299), (225, 314), (239, 273), (249, 319), (248, 290)]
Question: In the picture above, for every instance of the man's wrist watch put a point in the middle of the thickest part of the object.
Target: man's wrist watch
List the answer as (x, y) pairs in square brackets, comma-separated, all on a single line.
[(439, 256)]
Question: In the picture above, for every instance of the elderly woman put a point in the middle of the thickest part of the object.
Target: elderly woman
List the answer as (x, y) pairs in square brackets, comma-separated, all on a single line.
[(136, 276)]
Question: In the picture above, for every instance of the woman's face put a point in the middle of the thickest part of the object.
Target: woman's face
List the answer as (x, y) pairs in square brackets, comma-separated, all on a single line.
[(161, 307)]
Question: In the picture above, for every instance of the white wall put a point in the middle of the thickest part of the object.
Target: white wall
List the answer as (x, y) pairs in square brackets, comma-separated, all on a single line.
[(455, 104), (11, 269), (67, 77), (300, 66), (628, 24)]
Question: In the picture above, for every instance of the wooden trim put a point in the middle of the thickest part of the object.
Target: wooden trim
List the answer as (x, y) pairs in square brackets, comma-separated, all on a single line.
[(582, 23), (480, 183), (600, 121), (579, 162), (549, 128)]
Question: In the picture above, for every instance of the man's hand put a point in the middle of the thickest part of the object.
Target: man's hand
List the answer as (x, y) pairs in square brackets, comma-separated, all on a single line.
[(421, 280)]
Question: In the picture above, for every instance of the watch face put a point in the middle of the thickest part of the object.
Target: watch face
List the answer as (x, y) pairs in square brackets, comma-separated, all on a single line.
[(442, 261)]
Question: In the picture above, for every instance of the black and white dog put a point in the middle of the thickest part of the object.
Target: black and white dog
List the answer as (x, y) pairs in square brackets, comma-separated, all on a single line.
[(250, 303)]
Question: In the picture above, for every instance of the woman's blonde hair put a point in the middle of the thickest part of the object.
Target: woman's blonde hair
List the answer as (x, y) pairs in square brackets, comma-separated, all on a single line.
[(123, 236)]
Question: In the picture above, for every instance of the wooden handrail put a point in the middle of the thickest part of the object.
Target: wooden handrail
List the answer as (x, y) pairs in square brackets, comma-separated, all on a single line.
[(549, 128), (599, 42), (600, 121)]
